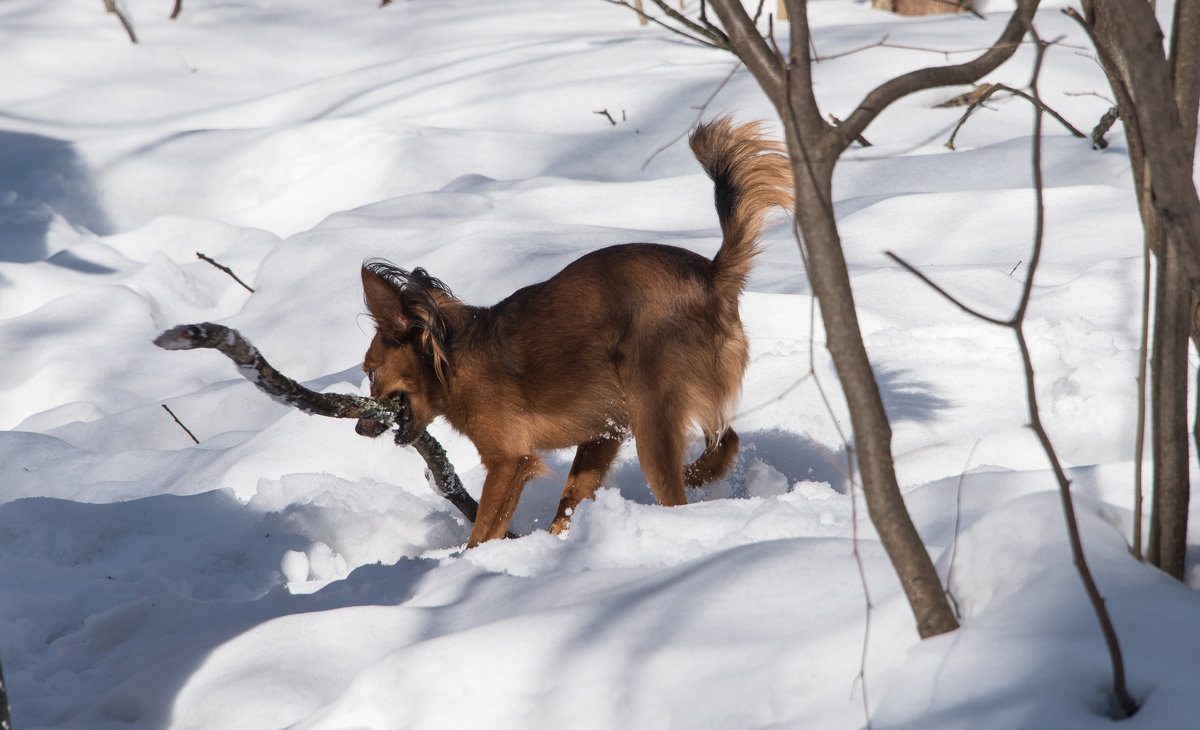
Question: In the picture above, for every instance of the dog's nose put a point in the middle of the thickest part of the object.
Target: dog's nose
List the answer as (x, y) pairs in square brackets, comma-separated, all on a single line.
[(370, 429)]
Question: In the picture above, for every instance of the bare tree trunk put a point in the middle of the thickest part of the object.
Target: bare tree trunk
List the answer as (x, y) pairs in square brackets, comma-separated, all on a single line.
[(814, 147), (1167, 543), (1158, 100)]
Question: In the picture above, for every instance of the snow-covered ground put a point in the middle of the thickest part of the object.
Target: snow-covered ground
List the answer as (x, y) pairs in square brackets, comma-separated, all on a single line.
[(285, 572)]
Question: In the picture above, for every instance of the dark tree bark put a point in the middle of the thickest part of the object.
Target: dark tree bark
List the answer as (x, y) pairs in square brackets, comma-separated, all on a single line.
[(814, 146), (1166, 546), (1158, 98), (283, 389)]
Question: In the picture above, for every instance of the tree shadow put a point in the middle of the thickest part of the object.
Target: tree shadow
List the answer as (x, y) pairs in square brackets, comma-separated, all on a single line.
[(40, 177), (906, 398)]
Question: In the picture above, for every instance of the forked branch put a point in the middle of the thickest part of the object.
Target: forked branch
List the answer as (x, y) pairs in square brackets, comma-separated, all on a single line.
[(284, 390), (985, 92)]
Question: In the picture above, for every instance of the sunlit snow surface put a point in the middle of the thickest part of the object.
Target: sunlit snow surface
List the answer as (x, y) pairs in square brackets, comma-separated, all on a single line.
[(288, 573)]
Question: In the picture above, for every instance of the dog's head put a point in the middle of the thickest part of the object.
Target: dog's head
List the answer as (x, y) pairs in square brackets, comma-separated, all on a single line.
[(408, 358)]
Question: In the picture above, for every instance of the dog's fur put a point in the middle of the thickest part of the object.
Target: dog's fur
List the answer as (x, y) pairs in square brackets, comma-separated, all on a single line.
[(638, 338)]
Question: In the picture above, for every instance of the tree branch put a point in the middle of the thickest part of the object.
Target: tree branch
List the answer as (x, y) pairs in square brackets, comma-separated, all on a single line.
[(990, 89), (707, 36), (927, 78), (226, 269), (284, 390)]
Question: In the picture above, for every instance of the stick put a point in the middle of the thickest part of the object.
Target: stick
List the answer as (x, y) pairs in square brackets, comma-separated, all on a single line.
[(284, 390), (111, 6), (186, 430), (226, 269)]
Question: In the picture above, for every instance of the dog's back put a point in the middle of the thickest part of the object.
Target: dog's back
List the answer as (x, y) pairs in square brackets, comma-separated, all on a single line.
[(640, 338)]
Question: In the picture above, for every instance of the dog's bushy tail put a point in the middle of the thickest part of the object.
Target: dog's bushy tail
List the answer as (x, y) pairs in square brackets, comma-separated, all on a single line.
[(751, 174)]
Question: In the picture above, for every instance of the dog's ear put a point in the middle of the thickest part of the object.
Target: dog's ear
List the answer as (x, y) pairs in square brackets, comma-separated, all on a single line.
[(411, 312), (382, 302)]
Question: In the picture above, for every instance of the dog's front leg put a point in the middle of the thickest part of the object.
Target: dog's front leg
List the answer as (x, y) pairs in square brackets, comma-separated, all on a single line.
[(506, 478)]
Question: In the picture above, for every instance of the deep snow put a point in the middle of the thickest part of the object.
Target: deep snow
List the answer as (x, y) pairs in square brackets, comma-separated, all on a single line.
[(285, 572)]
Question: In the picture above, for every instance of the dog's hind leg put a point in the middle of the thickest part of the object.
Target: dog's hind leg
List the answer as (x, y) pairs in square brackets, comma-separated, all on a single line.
[(506, 479), (660, 442), (714, 462), (592, 462)]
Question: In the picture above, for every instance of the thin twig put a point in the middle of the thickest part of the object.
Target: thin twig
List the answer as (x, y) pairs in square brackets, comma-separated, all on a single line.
[(884, 43), (186, 430), (114, 7), (962, 477), (945, 294), (226, 269), (868, 606), (700, 34), (1100, 96)]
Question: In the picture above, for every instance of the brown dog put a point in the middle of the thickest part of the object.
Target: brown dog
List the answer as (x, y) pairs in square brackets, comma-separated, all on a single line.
[(640, 338)]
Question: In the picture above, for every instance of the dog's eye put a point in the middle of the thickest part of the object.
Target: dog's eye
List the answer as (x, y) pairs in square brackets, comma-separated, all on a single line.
[(371, 376)]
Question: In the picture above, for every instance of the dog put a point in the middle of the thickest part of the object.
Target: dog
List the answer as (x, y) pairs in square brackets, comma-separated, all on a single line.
[(641, 338)]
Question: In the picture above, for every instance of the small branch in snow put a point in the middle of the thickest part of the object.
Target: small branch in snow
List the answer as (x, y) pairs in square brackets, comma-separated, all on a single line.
[(226, 269), (186, 430), (962, 476), (112, 6), (284, 390), (604, 113), (177, 9)]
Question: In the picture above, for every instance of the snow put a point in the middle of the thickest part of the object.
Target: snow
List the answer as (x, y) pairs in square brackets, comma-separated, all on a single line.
[(285, 572)]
